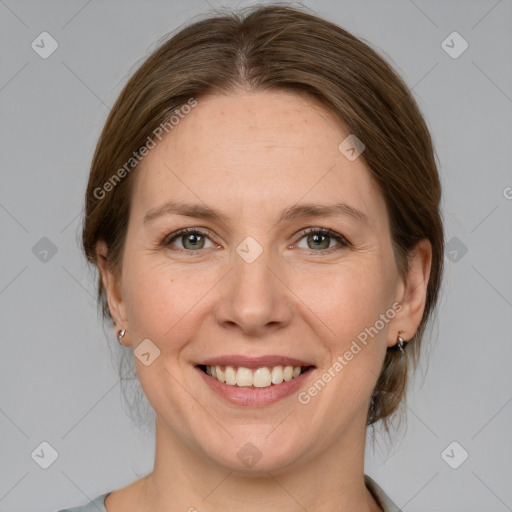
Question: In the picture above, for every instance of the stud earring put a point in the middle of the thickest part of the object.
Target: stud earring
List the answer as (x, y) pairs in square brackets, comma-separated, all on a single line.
[(120, 335), (401, 344)]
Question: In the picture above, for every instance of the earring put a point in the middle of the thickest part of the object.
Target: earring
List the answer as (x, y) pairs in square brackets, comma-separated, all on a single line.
[(120, 335), (401, 344)]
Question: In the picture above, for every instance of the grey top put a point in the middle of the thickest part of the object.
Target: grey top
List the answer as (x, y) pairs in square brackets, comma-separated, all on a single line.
[(98, 504)]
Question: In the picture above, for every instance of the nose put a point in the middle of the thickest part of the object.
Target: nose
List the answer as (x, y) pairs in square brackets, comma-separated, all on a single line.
[(254, 297)]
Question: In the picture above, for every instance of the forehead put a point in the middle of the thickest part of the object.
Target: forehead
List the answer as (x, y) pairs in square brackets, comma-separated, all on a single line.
[(255, 153)]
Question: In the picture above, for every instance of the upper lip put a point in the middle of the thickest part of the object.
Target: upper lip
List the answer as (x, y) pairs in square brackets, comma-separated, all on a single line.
[(254, 362)]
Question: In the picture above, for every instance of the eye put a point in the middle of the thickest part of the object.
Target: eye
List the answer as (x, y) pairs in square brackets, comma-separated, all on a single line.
[(319, 239), (194, 239), (190, 239)]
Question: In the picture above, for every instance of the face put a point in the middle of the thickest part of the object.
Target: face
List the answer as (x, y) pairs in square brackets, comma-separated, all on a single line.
[(292, 268)]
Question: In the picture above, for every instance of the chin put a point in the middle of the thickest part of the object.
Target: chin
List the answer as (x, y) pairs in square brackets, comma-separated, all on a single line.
[(256, 454)]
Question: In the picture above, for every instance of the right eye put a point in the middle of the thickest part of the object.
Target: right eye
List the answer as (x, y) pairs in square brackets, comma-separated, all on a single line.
[(191, 239)]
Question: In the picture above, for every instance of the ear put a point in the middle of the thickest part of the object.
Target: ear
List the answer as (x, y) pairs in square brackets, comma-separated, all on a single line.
[(412, 293), (112, 287)]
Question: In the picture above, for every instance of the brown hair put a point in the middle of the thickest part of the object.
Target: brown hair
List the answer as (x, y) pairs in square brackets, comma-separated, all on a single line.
[(278, 47)]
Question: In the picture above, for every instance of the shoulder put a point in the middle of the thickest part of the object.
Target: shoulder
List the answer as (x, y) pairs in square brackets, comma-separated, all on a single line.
[(96, 505), (378, 493)]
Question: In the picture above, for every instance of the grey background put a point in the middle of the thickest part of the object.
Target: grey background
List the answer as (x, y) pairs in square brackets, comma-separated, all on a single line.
[(58, 382)]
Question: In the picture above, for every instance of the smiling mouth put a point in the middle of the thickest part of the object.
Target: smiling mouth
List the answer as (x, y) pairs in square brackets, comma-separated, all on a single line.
[(263, 377)]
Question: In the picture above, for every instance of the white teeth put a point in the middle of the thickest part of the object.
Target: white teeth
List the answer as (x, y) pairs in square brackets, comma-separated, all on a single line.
[(262, 377), (230, 375), (243, 377), (221, 376), (277, 375)]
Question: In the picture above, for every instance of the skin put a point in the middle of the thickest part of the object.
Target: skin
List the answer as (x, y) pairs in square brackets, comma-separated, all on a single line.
[(250, 155)]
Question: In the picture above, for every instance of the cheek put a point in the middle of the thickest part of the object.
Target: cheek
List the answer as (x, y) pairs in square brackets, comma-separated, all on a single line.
[(349, 307), (161, 299), (346, 301)]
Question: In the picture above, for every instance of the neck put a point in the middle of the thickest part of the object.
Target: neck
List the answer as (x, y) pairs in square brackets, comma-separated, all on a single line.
[(185, 479)]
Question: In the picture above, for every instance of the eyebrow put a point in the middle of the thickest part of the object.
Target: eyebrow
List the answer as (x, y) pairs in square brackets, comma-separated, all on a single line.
[(294, 212)]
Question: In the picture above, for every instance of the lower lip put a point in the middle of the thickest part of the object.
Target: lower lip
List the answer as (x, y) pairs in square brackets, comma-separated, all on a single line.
[(252, 396)]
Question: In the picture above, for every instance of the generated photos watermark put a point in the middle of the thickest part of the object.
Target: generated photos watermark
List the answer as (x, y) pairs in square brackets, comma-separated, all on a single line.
[(304, 397), (137, 156)]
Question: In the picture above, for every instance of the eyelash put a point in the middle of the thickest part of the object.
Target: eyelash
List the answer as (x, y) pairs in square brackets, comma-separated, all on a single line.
[(342, 241)]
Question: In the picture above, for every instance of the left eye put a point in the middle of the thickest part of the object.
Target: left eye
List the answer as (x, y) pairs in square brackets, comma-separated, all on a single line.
[(321, 239)]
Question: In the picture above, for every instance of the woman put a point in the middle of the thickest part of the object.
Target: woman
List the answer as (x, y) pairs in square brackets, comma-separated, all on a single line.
[(263, 209)]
